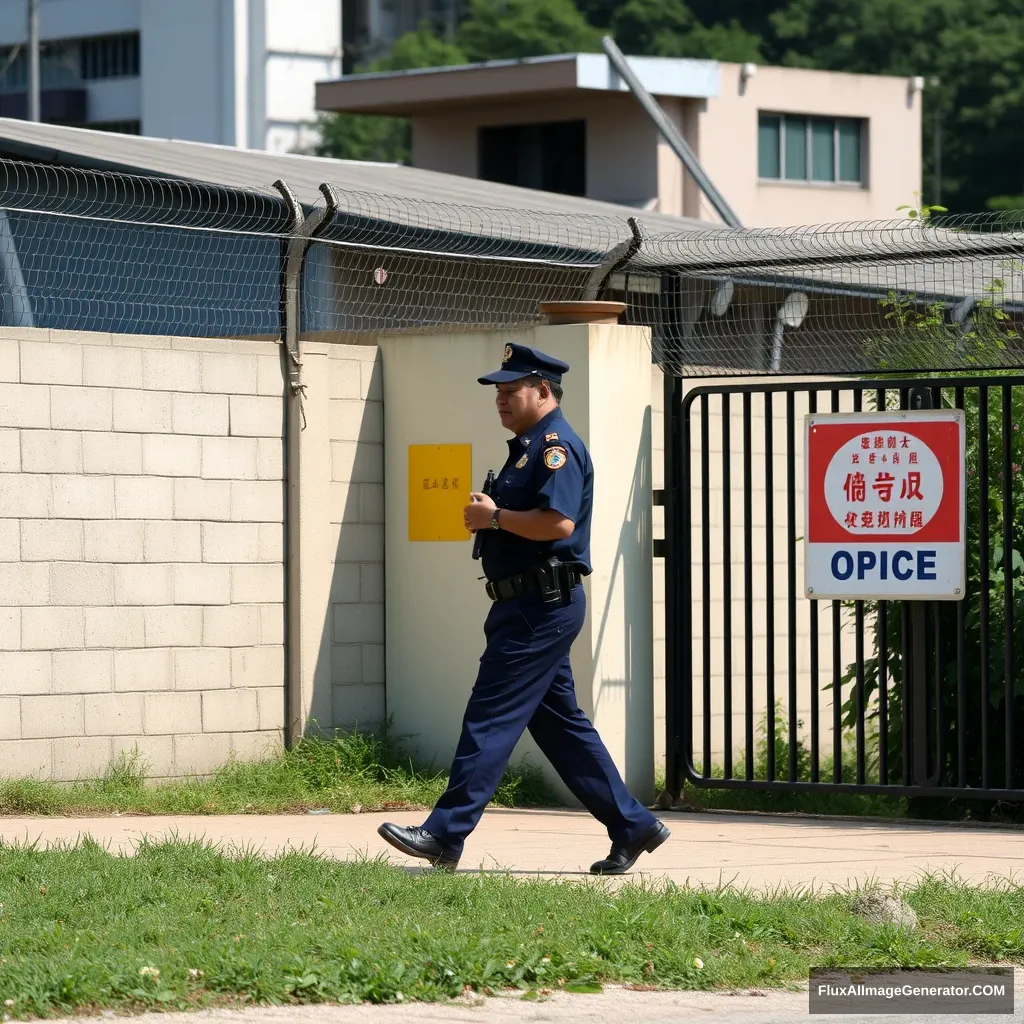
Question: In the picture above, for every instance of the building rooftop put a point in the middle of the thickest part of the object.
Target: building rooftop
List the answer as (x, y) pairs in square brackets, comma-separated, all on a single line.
[(392, 193), (404, 93)]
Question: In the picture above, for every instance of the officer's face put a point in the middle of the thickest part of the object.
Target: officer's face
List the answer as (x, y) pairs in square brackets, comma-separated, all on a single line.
[(519, 405)]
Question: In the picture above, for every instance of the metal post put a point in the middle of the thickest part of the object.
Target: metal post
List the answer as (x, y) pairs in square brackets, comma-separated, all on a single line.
[(33, 61), (678, 679), (302, 233), (919, 614), (669, 133)]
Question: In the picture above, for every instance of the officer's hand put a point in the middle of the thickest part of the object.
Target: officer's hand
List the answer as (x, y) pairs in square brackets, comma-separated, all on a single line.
[(477, 514)]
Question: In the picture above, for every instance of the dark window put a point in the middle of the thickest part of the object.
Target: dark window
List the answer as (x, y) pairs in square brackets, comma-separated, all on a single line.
[(67, 62), (551, 156), (122, 127), (110, 56)]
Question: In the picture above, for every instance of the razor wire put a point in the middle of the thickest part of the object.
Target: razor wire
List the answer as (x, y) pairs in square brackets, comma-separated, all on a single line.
[(102, 251), (880, 296), (97, 251)]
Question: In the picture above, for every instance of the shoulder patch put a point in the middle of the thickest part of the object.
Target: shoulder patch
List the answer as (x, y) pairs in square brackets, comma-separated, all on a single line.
[(555, 458), (550, 437)]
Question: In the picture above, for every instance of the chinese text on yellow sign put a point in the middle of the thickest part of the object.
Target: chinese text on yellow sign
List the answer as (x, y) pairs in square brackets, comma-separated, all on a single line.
[(439, 489)]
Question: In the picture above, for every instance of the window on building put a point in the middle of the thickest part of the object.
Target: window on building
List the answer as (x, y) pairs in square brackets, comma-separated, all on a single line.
[(110, 56), (68, 62), (122, 127), (550, 156), (814, 149)]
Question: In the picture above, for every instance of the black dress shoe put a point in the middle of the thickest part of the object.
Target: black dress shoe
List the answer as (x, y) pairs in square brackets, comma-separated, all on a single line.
[(623, 856), (417, 842)]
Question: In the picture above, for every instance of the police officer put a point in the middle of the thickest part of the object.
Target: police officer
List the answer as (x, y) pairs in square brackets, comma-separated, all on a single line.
[(535, 550)]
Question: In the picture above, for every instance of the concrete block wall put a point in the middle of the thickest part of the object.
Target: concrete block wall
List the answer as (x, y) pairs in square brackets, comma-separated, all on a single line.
[(356, 431), (141, 548)]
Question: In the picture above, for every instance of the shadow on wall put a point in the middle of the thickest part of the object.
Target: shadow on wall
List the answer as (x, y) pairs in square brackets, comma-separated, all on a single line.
[(348, 679), (633, 577)]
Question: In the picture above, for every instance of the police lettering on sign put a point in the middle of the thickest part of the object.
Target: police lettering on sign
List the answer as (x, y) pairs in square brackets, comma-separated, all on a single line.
[(885, 505)]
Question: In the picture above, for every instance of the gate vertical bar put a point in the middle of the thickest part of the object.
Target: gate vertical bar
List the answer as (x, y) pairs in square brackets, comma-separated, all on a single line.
[(705, 545), (748, 601), (984, 556), (791, 575), (678, 628), (727, 583), (812, 407), (961, 661), (769, 578), (882, 633), (858, 625), (837, 670), (1008, 679), (938, 716)]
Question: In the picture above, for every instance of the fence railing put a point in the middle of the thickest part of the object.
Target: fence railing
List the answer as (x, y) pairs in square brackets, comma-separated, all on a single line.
[(904, 698)]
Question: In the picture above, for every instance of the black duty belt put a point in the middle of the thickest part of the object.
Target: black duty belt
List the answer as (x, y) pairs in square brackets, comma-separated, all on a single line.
[(552, 581)]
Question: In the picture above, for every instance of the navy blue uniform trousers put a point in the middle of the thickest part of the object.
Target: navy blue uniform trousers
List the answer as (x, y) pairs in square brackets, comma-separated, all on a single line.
[(525, 682)]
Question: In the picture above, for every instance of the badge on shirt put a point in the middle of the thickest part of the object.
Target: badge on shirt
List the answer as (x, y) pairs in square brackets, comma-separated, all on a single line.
[(554, 458), (550, 437), (522, 462)]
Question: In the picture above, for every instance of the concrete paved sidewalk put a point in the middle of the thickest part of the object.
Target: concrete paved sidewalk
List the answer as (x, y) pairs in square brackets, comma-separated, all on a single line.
[(612, 1006), (747, 851)]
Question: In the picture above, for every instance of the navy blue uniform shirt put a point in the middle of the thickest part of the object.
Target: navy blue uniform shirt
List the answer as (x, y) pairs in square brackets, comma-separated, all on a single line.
[(548, 467)]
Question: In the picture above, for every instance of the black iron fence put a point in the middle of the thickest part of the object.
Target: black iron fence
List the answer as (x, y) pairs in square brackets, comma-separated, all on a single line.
[(767, 689)]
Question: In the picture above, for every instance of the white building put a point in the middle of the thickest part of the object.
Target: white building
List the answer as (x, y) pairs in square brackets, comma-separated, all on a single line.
[(234, 72)]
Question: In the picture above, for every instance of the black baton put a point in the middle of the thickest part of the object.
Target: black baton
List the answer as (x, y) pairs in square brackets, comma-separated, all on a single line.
[(486, 489)]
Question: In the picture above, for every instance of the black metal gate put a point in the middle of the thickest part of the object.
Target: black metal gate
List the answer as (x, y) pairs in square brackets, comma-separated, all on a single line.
[(903, 698)]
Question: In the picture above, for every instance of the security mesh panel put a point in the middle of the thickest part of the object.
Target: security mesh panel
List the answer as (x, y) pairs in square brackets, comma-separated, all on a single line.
[(890, 296), (91, 250), (110, 252)]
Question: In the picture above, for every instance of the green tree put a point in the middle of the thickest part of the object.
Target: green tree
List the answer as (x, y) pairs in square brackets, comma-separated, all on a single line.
[(668, 28), (370, 137), (598, 13), (510, 29), (974, 48), (420, 49)]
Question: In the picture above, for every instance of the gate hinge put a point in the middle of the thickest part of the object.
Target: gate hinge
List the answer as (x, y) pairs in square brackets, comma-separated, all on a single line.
[(658, 497), (659, 547)]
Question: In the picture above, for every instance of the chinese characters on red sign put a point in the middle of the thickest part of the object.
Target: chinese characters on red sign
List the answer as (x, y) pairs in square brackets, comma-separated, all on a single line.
[(890, 483)]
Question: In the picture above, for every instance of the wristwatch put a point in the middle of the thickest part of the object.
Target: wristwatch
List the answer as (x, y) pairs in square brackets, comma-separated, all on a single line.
[(494, 520)]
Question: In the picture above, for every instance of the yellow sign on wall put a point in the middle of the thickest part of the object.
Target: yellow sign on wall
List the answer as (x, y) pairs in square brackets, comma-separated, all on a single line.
[(439, 489)]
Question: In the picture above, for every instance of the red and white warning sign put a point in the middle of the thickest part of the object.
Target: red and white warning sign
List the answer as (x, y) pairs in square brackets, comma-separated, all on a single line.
[(885, 505)]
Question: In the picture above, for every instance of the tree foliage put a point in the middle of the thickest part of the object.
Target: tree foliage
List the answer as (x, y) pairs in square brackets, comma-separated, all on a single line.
[(369, 137), (510, 29), (970, 52)]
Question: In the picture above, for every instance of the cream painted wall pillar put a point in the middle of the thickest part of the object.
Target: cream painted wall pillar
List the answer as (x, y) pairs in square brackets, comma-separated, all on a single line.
[(436, 603), (318, 542)]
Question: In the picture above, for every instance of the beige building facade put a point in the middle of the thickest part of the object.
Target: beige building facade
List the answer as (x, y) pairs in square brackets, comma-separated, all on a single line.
[(784, 146)]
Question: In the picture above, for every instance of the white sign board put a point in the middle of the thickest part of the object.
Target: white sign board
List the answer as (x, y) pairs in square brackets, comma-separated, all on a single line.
[(885, 516)]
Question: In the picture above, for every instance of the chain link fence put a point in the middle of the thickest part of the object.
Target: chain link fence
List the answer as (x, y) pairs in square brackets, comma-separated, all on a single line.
[(97, 251)]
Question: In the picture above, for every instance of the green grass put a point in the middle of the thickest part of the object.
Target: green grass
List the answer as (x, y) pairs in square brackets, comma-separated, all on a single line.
[(351, 771), (182, 925)]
